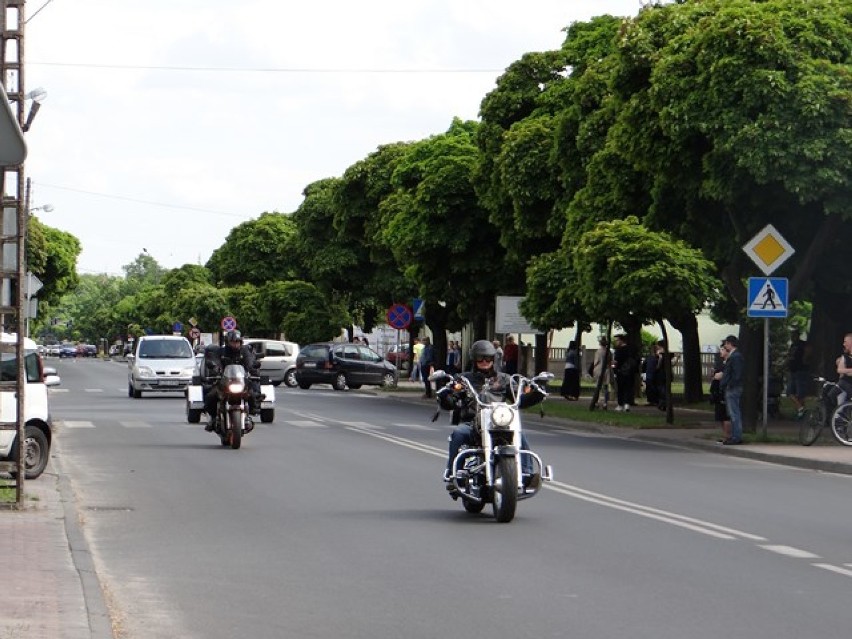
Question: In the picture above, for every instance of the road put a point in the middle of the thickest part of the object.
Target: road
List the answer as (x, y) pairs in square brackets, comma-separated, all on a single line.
[(333, 521)]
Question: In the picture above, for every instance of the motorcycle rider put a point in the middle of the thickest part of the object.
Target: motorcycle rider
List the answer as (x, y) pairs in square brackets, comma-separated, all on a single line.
[(482, 354), (216, 358)]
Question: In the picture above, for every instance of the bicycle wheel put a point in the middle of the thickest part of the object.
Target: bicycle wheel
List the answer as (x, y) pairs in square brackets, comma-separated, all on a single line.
[(811, 425), (841, 424)]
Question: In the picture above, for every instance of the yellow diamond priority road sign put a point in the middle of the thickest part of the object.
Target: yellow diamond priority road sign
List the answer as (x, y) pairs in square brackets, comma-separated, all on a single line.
[(768, 249)]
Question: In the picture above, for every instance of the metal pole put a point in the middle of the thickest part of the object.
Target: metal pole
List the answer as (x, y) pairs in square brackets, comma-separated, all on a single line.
[(765, 372)]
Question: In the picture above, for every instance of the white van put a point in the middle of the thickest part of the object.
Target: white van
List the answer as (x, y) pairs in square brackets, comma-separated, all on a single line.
[(277, 359), (38, 427)]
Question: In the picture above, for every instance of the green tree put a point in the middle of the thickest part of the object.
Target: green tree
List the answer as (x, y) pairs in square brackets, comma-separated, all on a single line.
[(649, 276), (256, 252)]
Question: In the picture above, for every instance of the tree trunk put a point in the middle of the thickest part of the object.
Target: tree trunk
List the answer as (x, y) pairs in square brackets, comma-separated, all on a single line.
[(541, 353), (693, 387), (667, 371)]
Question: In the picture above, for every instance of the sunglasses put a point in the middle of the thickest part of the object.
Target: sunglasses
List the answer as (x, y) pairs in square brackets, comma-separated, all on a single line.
[(485, 359)]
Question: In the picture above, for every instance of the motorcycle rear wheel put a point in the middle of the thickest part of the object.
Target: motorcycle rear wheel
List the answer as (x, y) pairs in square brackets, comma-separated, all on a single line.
[(505, 489)]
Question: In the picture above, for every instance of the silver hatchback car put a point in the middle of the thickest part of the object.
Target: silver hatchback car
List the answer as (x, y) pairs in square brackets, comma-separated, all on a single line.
[(277, 359), (160, 363)]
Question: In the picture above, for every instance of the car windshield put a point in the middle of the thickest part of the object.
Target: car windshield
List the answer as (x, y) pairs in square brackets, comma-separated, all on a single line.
[(165, 349)]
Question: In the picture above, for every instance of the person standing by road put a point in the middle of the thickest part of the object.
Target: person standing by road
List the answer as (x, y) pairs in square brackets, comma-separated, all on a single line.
[(427, 366), (601, 368), (571, 377), (717, 397), (510, 356), (498, 356), (416, 349), (625, 368), (731, 384)]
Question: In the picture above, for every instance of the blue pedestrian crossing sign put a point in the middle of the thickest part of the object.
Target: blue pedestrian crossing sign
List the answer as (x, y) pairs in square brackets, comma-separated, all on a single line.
[(767, 297), (419, 308)]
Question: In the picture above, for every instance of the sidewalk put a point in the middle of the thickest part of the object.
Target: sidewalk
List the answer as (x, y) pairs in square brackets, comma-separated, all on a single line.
[(50, 589), (52, 592)]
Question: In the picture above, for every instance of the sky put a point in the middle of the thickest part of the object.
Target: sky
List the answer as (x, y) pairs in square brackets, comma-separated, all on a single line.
[(169, 122)]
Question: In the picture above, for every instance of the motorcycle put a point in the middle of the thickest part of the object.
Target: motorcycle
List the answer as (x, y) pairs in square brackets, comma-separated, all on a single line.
[(233, 415), (495, 469)]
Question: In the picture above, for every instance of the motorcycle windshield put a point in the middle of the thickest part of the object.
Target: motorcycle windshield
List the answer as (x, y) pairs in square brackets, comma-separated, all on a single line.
[(234, 372)]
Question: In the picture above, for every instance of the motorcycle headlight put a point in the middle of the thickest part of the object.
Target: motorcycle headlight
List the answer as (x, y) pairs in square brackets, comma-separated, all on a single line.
[(502, 416), (236, 387)]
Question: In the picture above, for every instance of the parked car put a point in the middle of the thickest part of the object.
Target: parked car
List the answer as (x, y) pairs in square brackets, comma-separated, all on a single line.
[(277, 359), (343, 366), (38, 431), (68, 350), (162, 363), (399, 356)]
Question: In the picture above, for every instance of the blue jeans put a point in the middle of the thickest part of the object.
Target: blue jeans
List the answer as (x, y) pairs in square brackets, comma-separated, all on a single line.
[(463, 435), (735, 411)]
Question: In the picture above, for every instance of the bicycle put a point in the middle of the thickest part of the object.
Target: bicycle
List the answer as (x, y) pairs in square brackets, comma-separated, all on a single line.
[(816, 418)]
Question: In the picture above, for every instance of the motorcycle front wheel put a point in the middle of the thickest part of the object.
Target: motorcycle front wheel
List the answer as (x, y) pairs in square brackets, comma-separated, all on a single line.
[(505, 489), (235, 428)]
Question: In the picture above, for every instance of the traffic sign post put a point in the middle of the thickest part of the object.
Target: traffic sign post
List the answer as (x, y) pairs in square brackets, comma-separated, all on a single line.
[(767, 296)]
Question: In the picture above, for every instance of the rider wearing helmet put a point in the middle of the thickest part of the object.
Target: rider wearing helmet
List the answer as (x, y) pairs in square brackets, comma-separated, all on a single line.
[(482, 355), (232, 352)]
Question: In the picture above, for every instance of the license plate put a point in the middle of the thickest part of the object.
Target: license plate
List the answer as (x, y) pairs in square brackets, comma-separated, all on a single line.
[(169, 382), (310, 364)]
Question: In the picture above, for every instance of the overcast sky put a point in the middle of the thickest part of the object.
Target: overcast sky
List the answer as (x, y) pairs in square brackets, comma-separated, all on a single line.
[(169, 122)]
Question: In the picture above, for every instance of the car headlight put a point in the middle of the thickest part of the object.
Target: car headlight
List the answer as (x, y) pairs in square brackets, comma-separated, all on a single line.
[(502, 416), (236, 387), (187, 372), (145, 371)]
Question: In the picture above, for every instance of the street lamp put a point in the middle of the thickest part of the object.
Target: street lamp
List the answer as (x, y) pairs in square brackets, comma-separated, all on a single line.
[(36, 95), (47, 208)]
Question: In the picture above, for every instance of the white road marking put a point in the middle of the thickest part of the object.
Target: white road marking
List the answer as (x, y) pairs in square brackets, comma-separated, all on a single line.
[(135, 424), (415, 426), (836, 569), (306, 423), (365, 425), (789, 551), (94, 390), (77, 424)]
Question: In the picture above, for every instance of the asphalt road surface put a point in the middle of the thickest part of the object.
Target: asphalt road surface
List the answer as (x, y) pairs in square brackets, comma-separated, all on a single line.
[(332, 521)]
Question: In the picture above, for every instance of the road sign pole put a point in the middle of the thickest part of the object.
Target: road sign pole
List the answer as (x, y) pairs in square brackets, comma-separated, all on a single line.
[(765, 373)]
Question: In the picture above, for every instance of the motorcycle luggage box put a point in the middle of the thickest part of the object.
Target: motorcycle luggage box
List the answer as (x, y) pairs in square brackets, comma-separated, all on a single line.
[(269, 391), (194, 396)]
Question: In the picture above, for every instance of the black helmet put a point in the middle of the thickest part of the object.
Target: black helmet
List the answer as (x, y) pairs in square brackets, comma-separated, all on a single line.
[(233, 336), (482, 349)]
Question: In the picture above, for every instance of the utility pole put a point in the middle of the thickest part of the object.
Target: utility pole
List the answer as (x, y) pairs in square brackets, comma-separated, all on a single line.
[(13, 222)]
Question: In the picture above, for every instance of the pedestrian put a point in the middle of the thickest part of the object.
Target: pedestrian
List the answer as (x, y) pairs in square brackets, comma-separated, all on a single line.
[(600, 369), (416, 349), (453, 358), (364, 341), (571, 377), (798, 373), (731, 384), (650, 372), (625, 367), (427, 366), (510, 356), (498, 356), (844, 370), (717, 397)]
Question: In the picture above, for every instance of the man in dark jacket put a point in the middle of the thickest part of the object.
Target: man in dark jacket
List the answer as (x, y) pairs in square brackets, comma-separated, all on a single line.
[(427, 364), (731, 384)]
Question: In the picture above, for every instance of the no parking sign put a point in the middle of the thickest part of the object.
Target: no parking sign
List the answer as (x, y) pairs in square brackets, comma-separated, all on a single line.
[(228, 323), (399, 316)]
